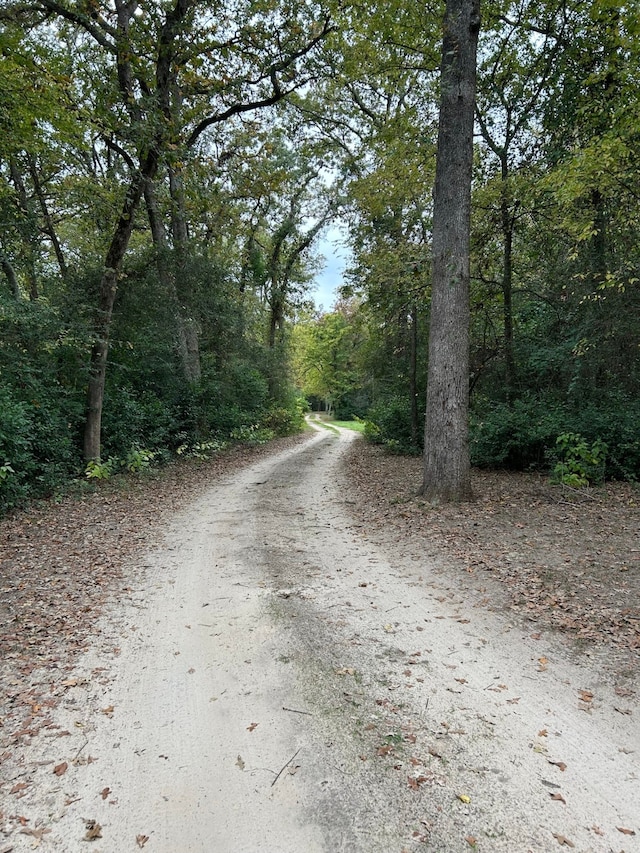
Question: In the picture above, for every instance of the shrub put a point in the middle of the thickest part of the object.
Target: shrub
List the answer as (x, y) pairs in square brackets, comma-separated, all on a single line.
[(285, 420), (525, 436), (579, 463), (388, 422)]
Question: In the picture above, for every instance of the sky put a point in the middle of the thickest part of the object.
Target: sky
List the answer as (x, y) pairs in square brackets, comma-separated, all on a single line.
[(336, 256)]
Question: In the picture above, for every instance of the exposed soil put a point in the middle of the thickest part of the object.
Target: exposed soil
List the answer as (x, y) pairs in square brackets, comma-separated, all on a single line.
[(564, 559), (62, 560), (175, 651)]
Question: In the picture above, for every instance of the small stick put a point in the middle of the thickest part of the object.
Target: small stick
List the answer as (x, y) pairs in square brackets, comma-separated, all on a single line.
[(295, 711), (75, 757), (282, 769)]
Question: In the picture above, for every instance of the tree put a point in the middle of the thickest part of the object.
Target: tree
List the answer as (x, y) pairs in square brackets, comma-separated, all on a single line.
[(167, 76), (446, 453)]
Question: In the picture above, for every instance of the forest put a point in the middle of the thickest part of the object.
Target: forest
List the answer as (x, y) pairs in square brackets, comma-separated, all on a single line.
[(167, 172)]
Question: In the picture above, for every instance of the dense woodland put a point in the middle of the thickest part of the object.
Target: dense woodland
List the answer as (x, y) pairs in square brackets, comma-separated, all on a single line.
[(167, 170)]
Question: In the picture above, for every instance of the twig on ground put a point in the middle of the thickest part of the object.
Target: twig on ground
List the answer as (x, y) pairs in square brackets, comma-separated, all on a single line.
[(284, 767)]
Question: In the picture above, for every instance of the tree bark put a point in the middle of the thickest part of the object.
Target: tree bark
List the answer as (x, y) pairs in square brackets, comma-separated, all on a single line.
[(102, 321), (189, 323), (49, 227), (446, 454), (165, 274), (27, 229)]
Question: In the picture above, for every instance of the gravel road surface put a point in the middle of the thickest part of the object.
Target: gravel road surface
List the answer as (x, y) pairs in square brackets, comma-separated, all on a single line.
[(278, 683)]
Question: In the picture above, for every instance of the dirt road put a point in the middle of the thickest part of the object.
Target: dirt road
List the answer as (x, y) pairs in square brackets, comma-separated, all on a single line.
[(279, 684)]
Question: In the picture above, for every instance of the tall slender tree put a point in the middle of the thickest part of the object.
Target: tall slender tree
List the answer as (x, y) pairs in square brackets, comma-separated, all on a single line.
[(446, 453)]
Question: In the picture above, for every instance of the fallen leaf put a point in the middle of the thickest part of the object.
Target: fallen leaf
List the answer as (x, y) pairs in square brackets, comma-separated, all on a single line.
[(471, 841), (384, 750), (108, 711), (347, 670), (559, 798), (389, 629), (625, 831), (543, 733), (561, 839), (60, 769), (597, 830), (464, 798), (513, 701), (94, 830), (252, 727), (585, 695), (19, 786), (36, 833), (141, 840), (104, 793), (559, 764)]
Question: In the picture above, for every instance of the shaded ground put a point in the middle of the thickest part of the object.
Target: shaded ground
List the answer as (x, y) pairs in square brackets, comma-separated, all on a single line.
[(272, 673), (60, 561), (565, 559)]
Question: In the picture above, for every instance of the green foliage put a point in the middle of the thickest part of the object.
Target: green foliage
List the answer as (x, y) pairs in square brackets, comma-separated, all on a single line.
[(516, 436), (525, 436), (201, 450), (580, 463), (285, 420), (252, 434), (139, 460), (97, 470), (389, 423)]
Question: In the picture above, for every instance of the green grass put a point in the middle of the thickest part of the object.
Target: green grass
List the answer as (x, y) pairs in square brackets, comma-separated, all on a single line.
[(356, 426)]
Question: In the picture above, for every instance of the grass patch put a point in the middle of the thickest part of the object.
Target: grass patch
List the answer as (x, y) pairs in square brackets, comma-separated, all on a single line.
[(356, 426)]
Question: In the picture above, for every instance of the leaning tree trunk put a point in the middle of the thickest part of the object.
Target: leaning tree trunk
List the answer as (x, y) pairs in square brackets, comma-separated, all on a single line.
[(446, 453), (102, 321)]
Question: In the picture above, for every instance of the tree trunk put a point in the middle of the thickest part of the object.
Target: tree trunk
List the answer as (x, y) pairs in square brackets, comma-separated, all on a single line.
[(102, 321), (506, 219), (446, 453), (10, 273), (165, 274), (27, 228), (49, 228), (413, 376), (190, 325)]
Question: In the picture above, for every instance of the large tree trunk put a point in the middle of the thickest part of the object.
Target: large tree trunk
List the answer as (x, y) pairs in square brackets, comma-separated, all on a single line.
[(102, 322), (446, 453)]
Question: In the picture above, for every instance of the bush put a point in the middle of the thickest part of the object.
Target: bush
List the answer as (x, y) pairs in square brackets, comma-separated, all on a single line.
[(525, 436), (389, 423), (516, 437), (283, 420)]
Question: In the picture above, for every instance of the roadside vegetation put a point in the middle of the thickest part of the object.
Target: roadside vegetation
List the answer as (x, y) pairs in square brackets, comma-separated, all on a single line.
[(161, 222)]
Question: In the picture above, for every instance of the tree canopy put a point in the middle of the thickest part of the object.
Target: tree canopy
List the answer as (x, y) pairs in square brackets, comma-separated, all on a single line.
[(167, 172)]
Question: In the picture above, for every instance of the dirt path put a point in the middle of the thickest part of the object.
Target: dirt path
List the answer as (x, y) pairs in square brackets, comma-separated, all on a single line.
[(277, 683)]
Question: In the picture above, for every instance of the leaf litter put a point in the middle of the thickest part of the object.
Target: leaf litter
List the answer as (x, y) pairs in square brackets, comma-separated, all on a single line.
[(552, 556), (61, 562)]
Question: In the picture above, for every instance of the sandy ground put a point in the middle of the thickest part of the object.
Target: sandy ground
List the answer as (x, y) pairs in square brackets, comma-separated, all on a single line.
[(276, 682)]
